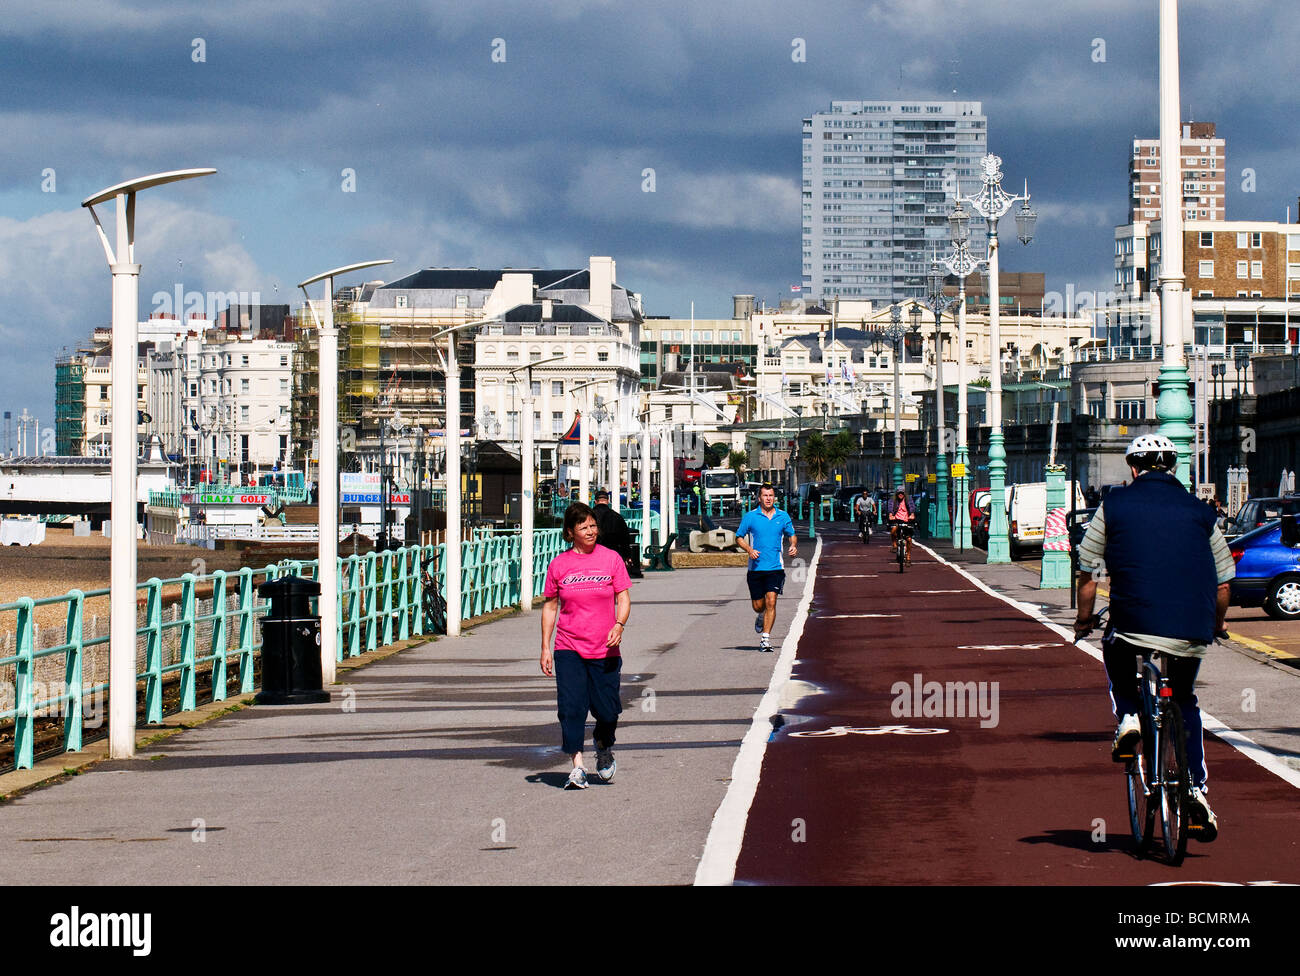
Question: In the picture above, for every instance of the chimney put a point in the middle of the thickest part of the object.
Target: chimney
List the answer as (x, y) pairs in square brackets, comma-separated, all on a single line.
[(601, 275), (742, 306), (547, 304)]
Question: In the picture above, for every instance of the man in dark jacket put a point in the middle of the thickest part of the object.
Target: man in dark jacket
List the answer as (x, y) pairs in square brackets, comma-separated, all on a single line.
[(1169, 572), (614, 533)]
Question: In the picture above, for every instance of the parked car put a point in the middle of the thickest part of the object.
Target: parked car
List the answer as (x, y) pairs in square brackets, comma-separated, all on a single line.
[(1268, 569), (1260, 511)]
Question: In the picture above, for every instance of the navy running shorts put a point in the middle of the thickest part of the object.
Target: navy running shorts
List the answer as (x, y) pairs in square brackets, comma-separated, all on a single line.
[(765, 581)]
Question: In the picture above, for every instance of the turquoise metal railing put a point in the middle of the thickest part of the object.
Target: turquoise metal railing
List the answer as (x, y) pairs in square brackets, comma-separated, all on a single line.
[(379, 604)]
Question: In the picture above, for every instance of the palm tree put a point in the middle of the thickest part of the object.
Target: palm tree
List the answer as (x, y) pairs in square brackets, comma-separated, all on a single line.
[(816, 456), (738, 461), (840, 449)]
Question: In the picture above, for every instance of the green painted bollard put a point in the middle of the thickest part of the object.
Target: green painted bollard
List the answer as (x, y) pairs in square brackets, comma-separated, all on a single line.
[(1055, 573), (812, 520)]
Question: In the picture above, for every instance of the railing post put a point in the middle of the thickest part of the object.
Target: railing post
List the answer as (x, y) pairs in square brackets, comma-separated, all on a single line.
[(368, 602), (386, 600), (153, 652), (246, 623), (74, 638), (188, 677), (24, 704), (219, 636), (352, 616)]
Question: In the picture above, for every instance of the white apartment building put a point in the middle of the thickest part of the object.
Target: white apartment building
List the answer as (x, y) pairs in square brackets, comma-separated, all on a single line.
[(235, 402), (587, 365), (879, 178)]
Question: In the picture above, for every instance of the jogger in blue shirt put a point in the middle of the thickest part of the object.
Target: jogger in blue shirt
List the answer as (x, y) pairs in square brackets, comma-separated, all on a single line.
[(765, 526)]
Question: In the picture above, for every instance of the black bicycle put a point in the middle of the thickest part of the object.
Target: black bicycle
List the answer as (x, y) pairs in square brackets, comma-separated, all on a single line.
[(903, 545), (1157, 779), (433, 607), (864, 528)]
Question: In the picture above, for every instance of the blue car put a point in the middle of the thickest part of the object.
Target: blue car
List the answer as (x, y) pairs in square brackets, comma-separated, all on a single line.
[(1268, 569)]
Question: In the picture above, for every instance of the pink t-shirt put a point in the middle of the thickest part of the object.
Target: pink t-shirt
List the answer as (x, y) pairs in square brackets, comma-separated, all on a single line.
[(586, 586)]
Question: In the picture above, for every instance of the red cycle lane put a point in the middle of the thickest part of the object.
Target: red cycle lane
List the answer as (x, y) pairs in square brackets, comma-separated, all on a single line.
[(1018, 788)]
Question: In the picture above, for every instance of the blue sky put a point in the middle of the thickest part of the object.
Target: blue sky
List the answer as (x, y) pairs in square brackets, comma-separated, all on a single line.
[(460, 158)]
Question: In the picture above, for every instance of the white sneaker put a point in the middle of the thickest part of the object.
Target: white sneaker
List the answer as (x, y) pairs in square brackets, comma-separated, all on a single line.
[(1205, 825), (577, 779), (1126, 739)]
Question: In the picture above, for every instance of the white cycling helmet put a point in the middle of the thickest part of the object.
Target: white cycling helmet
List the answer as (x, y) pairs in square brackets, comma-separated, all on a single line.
[(1152, 452)]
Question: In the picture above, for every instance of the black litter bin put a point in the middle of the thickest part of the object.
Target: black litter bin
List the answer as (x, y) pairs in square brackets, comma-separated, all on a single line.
[(291, 671)]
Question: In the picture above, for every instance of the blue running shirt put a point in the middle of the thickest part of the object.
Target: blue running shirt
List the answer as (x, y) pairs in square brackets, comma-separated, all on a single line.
[(766, 535)]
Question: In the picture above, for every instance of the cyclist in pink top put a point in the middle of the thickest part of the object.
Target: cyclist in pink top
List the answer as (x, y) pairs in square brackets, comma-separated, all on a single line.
[(587, 607)]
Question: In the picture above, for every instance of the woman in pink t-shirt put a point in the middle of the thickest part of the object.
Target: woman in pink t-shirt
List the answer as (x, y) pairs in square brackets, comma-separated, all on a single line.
[(586, 609)]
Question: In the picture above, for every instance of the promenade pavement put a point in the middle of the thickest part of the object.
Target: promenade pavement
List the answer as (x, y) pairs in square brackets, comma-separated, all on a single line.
[(439, 764)]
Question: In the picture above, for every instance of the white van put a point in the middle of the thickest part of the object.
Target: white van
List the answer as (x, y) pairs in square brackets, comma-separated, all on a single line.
[(720, 485), (1027, 515)]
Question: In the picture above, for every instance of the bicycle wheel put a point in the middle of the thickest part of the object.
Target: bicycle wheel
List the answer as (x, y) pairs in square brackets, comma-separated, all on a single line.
[(902, 551), (1141, 798), (1175, 781)]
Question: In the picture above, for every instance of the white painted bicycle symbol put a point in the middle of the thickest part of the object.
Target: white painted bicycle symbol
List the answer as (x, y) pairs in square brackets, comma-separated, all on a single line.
[(838, 730)]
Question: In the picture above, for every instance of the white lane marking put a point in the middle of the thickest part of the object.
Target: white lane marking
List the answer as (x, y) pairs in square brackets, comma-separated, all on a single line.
[(1007, 647), (727, 832), (943, 591), (854, 616), (860, 576), (1242, 743)]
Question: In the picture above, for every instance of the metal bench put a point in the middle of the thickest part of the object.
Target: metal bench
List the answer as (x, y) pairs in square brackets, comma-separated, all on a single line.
[(660, 556)]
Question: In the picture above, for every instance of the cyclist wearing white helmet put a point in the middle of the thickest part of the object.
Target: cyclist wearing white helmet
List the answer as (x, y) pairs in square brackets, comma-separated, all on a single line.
[(1169, 570)]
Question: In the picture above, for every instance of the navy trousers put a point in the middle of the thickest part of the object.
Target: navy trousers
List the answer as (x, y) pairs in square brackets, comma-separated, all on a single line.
[(585, 685), (1121, 668)]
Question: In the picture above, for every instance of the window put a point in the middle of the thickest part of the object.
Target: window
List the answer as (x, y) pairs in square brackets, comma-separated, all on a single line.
[(243, 414), (537, 424), (602, 356), (512, 355), (1256, 239), (401, 301), (706, 335), (284, 360), (1130, 409), (1257, 269), (1241, 239), (557, 388), (557, 423), (535, 388), (244, 361), (284, 386), (512, 425), (243, 386), (385, 330), (534, 354), (668, 412), (1242, 271), (1205, 269), (1207, 238), (194, 389)]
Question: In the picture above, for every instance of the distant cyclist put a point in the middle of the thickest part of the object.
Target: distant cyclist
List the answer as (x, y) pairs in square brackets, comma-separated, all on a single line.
[(901, 514), (864, 506), (1169, 572)]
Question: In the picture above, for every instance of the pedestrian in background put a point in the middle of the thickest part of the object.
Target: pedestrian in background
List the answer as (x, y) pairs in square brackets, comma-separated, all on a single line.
[(614, 533), (587, 607)]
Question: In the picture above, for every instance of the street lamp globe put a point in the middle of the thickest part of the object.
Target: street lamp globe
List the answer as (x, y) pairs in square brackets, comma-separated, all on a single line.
[(1026, 218), (915, 313), (959, 224), (934, 280)]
